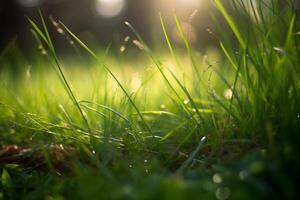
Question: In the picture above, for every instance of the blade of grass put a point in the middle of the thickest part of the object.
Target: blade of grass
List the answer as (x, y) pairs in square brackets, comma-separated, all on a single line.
[(159, 67), (219, 5), (46, 37), (110, 72), (192, 156), (187, 46)]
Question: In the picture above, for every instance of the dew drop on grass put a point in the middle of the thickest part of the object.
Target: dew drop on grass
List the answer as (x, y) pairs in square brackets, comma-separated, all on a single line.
[(279, 50), (126, 39), (145, 161), (162, 106), (228, 94), (209, 31), (186, 101), (138, 44), (203, 139), (122, 48), (217, 178), (54, 23), (44, 52), (60, 31)]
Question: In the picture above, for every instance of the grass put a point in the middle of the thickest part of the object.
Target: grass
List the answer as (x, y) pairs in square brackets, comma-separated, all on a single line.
[(187, 127)]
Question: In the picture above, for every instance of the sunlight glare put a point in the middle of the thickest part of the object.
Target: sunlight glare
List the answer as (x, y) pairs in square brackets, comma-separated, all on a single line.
[(189, 3), (180, 6)]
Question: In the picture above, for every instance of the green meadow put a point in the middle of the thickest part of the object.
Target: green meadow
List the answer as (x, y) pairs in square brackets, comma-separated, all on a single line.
[(163, 121)]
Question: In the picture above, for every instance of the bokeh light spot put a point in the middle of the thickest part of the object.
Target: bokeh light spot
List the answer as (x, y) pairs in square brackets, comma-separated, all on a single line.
[(110, 8), (30, 3), (190, 3)]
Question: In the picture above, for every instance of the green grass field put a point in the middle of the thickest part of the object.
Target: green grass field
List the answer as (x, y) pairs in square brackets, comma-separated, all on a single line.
[(166, 123)]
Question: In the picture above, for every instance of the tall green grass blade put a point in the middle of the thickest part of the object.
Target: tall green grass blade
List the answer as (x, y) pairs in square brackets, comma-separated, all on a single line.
[(171, 49), (160, 68), (192, 156), (38, 30), (187, 94), (187, 46), (46, 37), (107, 108), (85, 47), (290, 31), (111, 73), (230, 22)]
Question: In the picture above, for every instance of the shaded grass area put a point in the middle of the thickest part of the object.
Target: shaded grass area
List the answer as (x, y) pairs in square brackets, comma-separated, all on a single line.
[(189, 126)]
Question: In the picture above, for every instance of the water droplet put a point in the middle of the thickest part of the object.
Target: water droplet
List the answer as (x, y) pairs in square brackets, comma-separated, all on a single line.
[(279, 50), (209, 31), (186, 101), (127, 38), (162, 106), (228, 94), (217, 178), (122, 48), (138, 44), (44, 52), (203, 139), (145, 161), (93, 152), (60, 31)]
